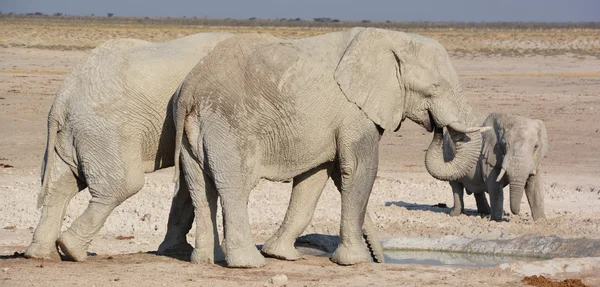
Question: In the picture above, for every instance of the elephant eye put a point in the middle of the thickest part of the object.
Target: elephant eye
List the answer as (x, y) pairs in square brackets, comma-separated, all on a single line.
[(536, 146), (433, 89)]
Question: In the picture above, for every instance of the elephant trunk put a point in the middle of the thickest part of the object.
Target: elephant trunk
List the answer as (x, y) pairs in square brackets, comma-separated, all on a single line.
[(370, 234), (467, 152), (516, 194)]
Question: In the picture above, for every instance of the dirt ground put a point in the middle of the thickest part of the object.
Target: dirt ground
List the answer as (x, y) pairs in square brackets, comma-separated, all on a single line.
[(562, 90)]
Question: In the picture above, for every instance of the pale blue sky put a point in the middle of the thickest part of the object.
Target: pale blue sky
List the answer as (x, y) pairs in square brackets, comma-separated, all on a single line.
[(381, 10)]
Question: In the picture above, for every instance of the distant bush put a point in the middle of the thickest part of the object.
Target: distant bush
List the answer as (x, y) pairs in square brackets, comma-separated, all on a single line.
[(110, 14), (57, 14), (323, 19)]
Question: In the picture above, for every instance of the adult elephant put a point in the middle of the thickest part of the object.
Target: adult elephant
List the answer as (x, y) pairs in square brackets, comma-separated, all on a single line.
[(263, 107), (110, 123), (514, 147)]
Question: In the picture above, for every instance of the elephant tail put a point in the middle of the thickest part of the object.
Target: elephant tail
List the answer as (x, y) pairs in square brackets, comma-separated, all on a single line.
[(179, 117), (49, 155), (372, 239)]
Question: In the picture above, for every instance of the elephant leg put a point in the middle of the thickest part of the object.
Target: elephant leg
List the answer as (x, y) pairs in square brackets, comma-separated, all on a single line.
[(180, 221), (109, 186), (458, 193), (358, 155), (482, 204), (307, 189), (61, 188), (496, 192), (204, 197), (234, 178), (370, 230), (535, 195)]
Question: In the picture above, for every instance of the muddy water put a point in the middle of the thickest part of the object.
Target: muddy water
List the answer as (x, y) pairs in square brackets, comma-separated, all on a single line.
[(450, 258), (460, 251)]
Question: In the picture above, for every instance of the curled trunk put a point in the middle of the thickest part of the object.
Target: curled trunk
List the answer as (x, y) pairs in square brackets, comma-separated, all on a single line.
[(467, 152), (370, 234)]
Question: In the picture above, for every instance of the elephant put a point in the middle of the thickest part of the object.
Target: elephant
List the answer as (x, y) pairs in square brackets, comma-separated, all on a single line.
[(511, 153), (110, 123), (258, 106)]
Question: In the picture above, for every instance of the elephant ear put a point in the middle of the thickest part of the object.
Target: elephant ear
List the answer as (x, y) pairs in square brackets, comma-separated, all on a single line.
[(543, 135), (492, 152), (369, 76)]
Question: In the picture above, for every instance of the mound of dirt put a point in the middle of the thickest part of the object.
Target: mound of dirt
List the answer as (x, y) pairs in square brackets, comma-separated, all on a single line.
[(542, 281)]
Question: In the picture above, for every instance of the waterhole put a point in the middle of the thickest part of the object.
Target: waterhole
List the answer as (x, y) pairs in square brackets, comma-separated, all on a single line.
[(460, 251)]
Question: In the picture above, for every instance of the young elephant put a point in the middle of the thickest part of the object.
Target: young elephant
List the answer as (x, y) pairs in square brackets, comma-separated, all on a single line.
[(510, 155)]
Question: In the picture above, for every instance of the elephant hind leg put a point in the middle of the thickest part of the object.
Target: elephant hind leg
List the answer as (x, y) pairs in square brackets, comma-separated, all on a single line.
[(61, 188), (234, 177), (203, 195), (180, 221), (458, 194), (110, 182), (307, 189)]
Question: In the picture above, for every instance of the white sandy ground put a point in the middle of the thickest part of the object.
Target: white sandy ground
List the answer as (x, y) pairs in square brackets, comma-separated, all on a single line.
[(558, 90)]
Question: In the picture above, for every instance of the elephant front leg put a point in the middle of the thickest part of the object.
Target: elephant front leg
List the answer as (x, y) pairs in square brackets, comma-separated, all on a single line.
[(483, 206), (457, 192), (358, 166), (180, 221), (307, 189), (495, 189)]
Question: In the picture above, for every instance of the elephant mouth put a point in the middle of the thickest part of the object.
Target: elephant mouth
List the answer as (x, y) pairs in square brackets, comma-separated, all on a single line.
[(430, 124)]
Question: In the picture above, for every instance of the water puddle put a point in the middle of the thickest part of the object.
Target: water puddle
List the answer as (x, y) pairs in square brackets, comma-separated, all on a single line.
[(450, 258), (457, 251)]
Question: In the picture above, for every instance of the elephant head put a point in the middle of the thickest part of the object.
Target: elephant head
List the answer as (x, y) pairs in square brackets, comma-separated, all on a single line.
[(392, 75), (519, 144)]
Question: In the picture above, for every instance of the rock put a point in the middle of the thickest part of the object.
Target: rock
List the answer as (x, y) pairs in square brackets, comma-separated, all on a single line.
[(277, 280)]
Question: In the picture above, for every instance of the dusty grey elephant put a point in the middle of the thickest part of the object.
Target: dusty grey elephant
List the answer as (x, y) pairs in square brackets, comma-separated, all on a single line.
[(110, 123), (511, 153), (263, 107)]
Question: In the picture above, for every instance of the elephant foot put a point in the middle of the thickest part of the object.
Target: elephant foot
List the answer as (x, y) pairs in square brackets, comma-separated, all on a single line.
[(484, 212), (244, 257), (207, 255), (170, 247), (39, 251), (72, 246), (345, 255), (497, 219), (275, 247), (456, 212)]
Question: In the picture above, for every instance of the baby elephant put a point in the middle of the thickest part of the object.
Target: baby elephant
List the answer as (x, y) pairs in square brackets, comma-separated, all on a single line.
[(510, 155)]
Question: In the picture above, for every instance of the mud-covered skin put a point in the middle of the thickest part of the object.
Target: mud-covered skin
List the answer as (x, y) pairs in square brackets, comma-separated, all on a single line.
[(516, 145), (110, 123), (262, 107)]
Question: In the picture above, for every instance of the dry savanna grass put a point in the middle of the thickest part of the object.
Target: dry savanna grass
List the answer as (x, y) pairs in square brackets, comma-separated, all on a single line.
[(510, 39)]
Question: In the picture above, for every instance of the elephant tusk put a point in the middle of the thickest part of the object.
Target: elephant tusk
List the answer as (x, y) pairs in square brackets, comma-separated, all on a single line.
[(502, 172), (534, 172), (464, 129)]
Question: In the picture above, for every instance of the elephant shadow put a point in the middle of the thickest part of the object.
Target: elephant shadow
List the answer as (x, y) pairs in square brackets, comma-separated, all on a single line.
[(436, 208)]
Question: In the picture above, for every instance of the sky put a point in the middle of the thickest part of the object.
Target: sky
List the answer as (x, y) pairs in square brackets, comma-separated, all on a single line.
[(374, 10)]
